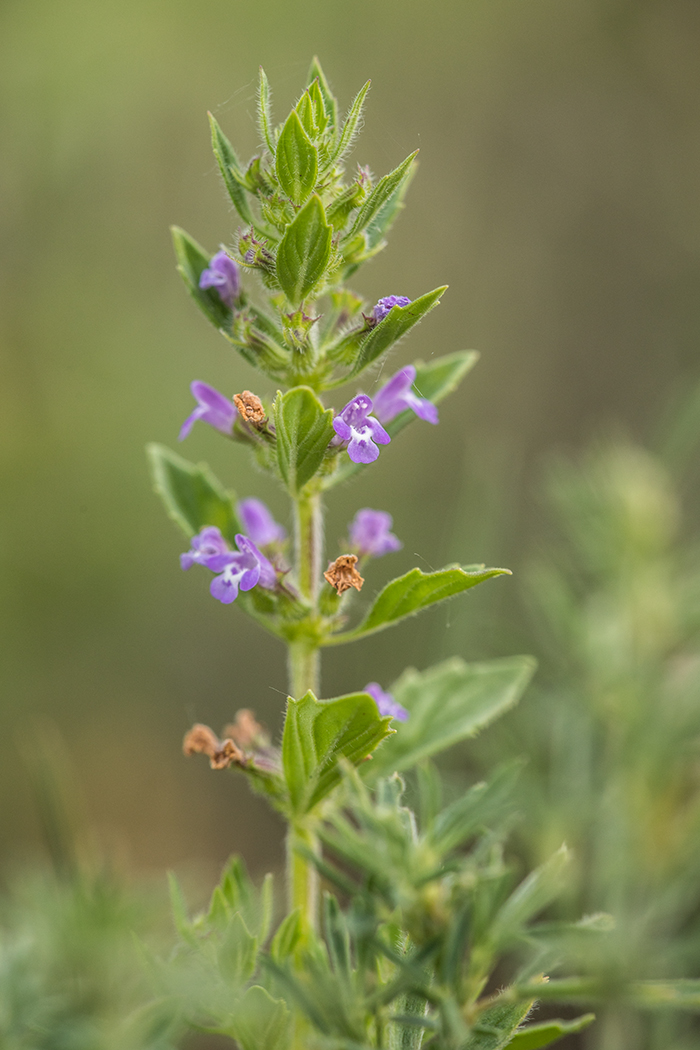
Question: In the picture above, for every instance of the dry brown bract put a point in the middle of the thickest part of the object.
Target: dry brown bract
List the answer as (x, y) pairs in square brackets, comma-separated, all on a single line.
[(201, 740), (250, 407), (343, 575), (245, 731)]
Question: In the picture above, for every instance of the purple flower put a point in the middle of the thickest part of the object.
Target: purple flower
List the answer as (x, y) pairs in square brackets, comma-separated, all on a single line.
[(259, 524), (369, 533), (224, 275), (212, 408), (388, 707), (237, 570), (384, 306), (207, 544), (355, 426), (396, 396)]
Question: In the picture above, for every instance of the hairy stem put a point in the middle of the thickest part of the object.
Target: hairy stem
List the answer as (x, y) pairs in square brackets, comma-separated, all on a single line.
[(304, 661)]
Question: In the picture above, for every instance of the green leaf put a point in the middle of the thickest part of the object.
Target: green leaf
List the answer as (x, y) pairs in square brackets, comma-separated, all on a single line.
[(287, 936), (395, 325), (528, 898), (304, 251), (382, 193), (434, 381), (447, 704), (230, 169), (237, 951), (191, 260), (536, 1036), (192, 495), (319, 732), (318, 104), (296, 160), (264, 117), (682, 994), (351, 125), (304, 429), (412, 592), (494, 1028), (261, 1022), (329, 100), (389, 212)]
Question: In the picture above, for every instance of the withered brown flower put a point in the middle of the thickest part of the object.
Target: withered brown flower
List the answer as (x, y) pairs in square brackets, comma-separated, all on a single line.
[(343, 575)]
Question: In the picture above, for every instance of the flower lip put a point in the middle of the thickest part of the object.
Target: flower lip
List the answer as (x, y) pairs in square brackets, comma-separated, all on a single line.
[(396, 396), (388, 706), (212, 408), (259, 525), (224, 275), (362, 432), (370, 533)]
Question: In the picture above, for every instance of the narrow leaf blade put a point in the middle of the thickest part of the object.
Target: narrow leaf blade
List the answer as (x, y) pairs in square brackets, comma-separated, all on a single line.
[(296, 160), (448, 703), (192, 259), (395, 325), (382, 193), (412, 592), (230, 169), (192, 495), (535, 1036), (351, 125), (264, 116), (304, 430)]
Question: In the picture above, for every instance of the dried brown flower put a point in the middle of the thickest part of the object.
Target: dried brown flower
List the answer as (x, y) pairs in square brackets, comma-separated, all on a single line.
[(343, 575), (250, 407), (245, 731), (202, 740)]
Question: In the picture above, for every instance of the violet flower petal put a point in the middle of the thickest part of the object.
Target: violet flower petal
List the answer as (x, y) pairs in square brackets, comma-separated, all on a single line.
[(388, 706), (384, 306), (223, 274), (370, 533), (396, 396), (259, 524), (212, 408)]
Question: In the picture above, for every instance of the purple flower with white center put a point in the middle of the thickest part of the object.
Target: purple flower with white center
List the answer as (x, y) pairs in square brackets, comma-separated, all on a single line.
[(396, 396), (207, 544), (370, 533), (259, 524), (360, 430), (212, 408), (224, 275), (384, 306), (388, 707), (237, 570)]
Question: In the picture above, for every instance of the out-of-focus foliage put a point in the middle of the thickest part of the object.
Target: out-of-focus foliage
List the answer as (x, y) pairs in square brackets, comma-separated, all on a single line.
[(71, 971), (613, 728)]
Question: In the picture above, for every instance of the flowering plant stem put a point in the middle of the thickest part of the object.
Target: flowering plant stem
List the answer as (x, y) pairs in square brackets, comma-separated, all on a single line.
[(304, 663)]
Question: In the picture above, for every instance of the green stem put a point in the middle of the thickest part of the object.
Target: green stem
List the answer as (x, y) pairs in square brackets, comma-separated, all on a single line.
[(304, 675)]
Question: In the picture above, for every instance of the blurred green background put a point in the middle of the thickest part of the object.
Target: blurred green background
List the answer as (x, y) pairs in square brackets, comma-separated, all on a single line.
[(556, 194)]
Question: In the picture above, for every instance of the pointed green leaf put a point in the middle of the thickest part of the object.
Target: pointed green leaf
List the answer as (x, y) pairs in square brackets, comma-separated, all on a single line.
[(434, 381), (389, 212), (237, 951), (179, 910), (264, 117), (395, 325), (261, 1022), (535, 1036), (329, 100), (287, 936), (304, 251), (494, 1028), (193, 497), (318, 103), (230, 169), (416, 590), (351, 125), (192, 259), (532, 895), (296, 160), (304, 429), (319, 732), (382, 193), (447, 704)]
